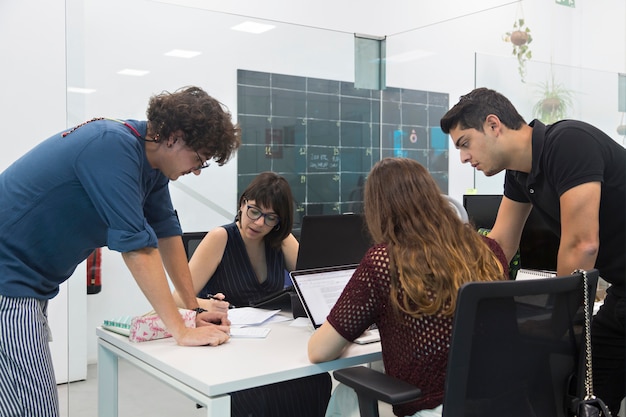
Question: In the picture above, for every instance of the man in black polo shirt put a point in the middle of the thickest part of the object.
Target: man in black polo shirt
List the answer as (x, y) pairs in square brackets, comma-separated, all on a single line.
[(574, 176)]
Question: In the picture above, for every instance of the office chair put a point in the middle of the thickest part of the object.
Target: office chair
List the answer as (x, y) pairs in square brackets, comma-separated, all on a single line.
[(458, 207), (514, 352), (191, 240)]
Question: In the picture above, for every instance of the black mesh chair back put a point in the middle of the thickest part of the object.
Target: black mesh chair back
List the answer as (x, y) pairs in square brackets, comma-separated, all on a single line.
[(191, 240), (515, 346)]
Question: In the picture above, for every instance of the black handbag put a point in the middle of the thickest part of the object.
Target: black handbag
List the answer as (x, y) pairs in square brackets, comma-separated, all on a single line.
[(590, 405), (593, 407)]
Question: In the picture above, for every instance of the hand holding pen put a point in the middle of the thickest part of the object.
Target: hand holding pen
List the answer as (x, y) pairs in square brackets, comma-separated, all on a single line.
[(214, 311), (219, 297)]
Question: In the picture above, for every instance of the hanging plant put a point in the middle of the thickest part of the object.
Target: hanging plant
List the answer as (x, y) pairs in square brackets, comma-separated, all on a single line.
[(520, 38), (554, 102)]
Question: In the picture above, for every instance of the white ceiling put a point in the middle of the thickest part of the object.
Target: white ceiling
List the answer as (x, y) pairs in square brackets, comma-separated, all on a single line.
[(375, 17)]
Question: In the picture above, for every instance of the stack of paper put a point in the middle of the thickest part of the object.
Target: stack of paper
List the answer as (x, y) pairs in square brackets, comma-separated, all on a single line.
[(249, 316), (244, 321), (251, 332)]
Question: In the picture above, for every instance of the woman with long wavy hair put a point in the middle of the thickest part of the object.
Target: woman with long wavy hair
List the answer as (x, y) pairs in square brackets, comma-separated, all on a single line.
[(407, 283)]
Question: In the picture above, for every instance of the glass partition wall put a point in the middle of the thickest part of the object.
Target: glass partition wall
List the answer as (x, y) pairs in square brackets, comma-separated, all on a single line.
[(291, 89), (551, 92), (288, 86)]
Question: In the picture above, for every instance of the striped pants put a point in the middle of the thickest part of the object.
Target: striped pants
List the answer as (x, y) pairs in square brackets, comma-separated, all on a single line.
[(27, 382)]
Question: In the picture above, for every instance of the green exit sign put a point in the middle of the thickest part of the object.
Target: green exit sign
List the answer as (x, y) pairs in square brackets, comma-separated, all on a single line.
[(569, 3)]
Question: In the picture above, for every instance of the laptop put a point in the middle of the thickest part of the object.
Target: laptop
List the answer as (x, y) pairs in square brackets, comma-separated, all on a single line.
[(332, 239), (319, 288)]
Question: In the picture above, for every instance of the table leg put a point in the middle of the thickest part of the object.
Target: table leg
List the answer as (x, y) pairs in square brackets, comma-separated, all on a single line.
[(107, 382), (218, 406)]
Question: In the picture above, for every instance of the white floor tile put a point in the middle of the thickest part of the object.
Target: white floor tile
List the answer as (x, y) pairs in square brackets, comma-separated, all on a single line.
[(140, 395)]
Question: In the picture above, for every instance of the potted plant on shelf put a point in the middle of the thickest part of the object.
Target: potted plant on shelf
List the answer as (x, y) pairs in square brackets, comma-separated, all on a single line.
[(554, 102), (520, 38)]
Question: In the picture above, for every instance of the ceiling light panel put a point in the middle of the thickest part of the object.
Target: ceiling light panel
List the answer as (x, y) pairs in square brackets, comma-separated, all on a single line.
[(133, 72), (182, 53), (253, 27), (80, 90)]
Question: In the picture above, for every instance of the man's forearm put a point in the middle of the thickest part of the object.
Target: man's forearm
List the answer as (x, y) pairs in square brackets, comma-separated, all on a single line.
[(147, 269), (175, 261)]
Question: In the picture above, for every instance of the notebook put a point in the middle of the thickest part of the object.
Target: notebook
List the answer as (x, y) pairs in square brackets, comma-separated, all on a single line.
[(533, 273), (332, 239), (319, 289)]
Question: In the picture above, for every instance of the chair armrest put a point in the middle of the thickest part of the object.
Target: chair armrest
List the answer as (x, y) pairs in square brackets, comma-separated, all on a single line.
[(377, 385)]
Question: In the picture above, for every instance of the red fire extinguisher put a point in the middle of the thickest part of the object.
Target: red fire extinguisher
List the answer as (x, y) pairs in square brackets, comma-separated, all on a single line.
[(94, 274)]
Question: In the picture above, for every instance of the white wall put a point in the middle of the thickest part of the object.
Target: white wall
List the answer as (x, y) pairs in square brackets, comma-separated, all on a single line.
[(32, 107), (592, 35), (32, 46)]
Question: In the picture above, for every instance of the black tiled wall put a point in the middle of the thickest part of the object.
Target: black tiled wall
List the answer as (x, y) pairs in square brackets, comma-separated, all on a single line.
[(324, 136)]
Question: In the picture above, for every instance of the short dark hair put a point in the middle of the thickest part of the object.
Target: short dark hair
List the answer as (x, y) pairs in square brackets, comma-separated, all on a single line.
[(473, 108), (206, 124), (269, 189)]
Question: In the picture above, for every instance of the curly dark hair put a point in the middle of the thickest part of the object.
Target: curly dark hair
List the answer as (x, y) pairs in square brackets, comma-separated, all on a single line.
[(206, 123), (270, 190), (473, 108)]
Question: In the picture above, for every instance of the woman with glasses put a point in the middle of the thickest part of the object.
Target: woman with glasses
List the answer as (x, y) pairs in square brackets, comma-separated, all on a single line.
[(245, 261)]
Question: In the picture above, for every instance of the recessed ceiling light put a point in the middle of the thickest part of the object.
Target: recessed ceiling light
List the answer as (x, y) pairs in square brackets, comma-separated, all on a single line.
[(80, 90), (253, 27), (133, 72), (181, 53)]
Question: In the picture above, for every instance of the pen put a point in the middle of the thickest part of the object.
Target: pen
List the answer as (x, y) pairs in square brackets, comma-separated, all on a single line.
[(213, 297)]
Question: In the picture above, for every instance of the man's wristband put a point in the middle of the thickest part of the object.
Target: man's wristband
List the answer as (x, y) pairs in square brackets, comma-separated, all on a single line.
[(199, 310)]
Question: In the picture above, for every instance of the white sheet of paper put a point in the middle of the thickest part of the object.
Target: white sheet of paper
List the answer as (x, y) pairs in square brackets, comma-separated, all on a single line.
[(247, 316), (249, 332)]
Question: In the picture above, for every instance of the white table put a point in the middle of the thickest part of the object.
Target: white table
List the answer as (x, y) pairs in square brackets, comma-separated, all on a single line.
[(208, 375)]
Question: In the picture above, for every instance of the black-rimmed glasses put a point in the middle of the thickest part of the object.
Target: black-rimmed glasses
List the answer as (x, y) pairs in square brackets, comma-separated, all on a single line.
[(270, 219), (202, 165)]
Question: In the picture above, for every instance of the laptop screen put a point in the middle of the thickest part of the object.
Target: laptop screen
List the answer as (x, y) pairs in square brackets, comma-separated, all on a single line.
[(333, 239), (319, 289)]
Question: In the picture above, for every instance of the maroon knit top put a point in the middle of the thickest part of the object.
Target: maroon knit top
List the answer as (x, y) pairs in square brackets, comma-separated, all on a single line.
[(414, 349)]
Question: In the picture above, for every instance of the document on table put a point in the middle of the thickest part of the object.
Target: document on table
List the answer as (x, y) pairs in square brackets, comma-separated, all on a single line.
[(249, 316), (244, 322), (249, 332)]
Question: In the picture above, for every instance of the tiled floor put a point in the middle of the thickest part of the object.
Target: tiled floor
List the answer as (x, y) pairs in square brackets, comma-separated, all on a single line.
[(140, 395)]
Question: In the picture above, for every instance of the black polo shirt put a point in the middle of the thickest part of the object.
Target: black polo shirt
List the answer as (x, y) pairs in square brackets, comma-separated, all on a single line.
[(564, 155)]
